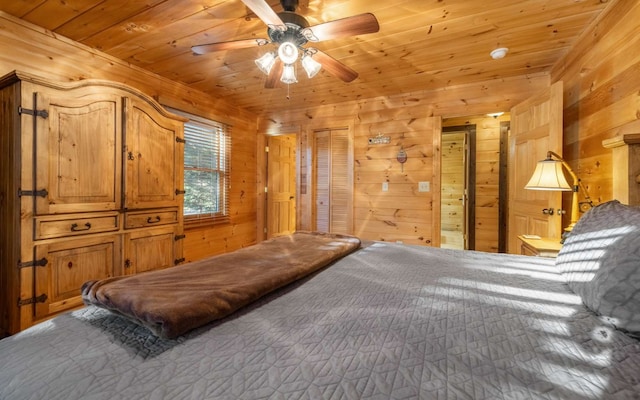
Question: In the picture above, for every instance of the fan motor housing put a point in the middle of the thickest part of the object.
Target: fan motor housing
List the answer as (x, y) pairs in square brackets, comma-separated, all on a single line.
[(294, 23)]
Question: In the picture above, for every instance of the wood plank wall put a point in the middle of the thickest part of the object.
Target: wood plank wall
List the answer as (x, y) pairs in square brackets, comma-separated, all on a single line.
[(407, 118), (487, 177), (402, 213), (601, 77), (32, 49)]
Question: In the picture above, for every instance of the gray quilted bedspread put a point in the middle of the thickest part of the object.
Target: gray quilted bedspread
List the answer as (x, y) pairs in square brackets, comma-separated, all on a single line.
[(386, 322)]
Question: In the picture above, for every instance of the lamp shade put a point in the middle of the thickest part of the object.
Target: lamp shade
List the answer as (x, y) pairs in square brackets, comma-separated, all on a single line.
[(265, 62), (548, 175), (288, 74), (311, 66)]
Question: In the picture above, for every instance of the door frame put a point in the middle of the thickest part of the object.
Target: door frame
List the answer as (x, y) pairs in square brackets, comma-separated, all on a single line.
[(313, 164), (305, 163), (503, 186), (470, 181)]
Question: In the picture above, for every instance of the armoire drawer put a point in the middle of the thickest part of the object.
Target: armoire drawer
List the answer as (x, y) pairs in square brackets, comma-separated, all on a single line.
[(144, 219), (55, 226)]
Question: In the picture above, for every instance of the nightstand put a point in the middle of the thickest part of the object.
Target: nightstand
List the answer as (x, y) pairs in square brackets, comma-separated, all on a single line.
[(542, 247)]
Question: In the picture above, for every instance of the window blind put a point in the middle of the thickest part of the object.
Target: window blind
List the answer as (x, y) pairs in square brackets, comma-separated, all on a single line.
[(206, 170)]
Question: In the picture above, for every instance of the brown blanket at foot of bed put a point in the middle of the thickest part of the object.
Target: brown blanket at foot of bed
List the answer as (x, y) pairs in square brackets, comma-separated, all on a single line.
[(173, 301)]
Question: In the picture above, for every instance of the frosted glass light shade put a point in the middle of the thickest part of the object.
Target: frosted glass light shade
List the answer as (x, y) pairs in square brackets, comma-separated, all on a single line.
[(548, 175), (288, 52), (288, 74), (265, 63), (311, 66)]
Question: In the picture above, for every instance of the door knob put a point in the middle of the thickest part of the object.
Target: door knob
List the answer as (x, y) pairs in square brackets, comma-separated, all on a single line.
[(548, 211)]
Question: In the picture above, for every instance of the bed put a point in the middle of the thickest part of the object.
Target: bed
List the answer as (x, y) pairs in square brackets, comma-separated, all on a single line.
[(387, 321)]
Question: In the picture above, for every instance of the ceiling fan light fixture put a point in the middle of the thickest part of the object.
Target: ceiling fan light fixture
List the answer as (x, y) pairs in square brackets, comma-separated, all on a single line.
[(290, 32), (311, 66), (288, 52), (288, 74), (265, 63)]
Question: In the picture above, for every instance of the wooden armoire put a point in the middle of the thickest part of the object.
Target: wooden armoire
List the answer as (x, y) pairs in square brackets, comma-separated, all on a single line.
[(91, 186)]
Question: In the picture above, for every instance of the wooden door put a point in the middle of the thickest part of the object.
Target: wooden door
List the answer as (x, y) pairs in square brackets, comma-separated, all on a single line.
[(77, 147), (281, 185), (152, 157), (536, 127), (333, 171), (453, 227)]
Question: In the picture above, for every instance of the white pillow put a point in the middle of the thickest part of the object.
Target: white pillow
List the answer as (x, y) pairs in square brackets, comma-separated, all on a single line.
[(600, 261)]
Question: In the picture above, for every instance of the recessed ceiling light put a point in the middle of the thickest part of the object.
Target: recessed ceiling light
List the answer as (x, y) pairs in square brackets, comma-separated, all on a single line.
[(499, 53)]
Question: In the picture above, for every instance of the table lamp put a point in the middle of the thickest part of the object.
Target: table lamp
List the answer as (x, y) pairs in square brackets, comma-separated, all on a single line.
[(549, 175)]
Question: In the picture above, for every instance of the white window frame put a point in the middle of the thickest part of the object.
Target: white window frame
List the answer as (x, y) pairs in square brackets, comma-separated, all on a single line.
[(196, 130)]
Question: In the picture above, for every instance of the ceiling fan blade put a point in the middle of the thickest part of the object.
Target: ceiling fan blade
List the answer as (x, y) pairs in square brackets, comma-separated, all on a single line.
[(335, 67), (266, 14), (356, 25), (231, 45), (274, 75)]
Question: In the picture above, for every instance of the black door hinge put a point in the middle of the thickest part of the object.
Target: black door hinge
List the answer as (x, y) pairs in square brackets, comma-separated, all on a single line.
[(178, 261), (180, 140), (40, 299), (37, 113), (36, 263), (41, 193), (178, 191), (178, 237)]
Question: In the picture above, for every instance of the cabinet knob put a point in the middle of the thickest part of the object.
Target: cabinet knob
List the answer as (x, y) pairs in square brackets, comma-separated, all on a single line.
[(127, 263), (130, 156)]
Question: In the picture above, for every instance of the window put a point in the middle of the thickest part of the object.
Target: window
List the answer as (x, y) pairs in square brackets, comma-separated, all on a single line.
[(206, 171)]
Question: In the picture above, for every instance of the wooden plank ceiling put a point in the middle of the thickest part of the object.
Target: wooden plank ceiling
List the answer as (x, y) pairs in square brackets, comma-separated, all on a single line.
[(421, 45)]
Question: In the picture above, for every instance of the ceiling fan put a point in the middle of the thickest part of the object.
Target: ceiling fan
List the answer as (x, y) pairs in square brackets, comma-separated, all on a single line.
[(291, 31)]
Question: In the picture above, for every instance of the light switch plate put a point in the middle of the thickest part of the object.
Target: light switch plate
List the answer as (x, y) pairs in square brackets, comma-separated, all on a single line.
[(385, 186), (424, 186)]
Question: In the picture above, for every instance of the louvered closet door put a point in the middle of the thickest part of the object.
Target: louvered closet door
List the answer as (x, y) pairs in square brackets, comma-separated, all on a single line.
[(334, 181), (322, 193)]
